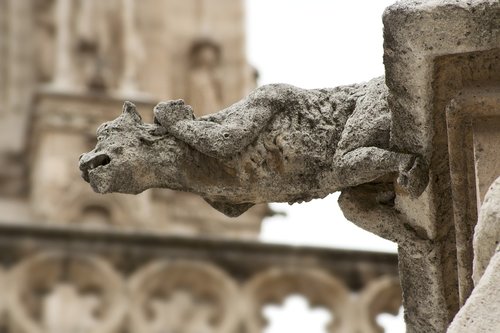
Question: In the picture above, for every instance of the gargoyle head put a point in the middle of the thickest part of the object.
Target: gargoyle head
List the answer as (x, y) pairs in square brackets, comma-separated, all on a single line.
[(128, 154)]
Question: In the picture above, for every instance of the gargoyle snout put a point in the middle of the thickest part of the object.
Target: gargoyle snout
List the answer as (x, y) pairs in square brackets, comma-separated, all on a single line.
[(91, 161)]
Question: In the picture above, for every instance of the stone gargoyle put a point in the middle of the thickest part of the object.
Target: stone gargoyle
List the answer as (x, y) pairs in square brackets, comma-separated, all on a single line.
[(279, 144)]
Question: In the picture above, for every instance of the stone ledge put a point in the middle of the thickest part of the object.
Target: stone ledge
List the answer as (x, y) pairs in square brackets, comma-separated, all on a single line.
[(243, 258)]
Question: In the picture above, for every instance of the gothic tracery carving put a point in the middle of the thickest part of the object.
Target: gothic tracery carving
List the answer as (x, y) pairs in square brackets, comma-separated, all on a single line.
[(274, 285), (59, 293), (183, 296), (379, 296)]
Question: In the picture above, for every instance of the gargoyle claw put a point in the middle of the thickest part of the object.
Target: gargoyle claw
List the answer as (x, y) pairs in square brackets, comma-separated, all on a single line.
[(413, 177), (169, 113)]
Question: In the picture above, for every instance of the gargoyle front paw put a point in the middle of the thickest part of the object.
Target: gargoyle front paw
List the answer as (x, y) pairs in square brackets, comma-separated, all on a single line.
[(170, 113), (414, 176)]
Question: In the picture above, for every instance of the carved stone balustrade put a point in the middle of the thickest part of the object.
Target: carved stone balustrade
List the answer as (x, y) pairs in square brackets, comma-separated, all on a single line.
[(100, 280)]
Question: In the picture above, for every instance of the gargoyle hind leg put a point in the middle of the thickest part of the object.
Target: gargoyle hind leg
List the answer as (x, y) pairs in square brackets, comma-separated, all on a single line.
[(366, 164), (234, 129)]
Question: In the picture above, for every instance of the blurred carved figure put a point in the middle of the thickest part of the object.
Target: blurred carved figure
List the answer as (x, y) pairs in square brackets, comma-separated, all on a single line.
[(97, 31), (64, 71), (84, 44), (204, 87), (45, 30)]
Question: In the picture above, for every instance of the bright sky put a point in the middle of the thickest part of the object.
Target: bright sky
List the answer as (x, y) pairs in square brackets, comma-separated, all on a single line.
[(316, 44)]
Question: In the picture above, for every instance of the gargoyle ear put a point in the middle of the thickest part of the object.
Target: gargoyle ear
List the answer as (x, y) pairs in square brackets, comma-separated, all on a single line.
[(129, 111)]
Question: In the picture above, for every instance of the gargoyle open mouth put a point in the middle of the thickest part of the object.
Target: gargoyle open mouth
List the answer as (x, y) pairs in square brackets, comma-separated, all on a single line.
[(89, 162)]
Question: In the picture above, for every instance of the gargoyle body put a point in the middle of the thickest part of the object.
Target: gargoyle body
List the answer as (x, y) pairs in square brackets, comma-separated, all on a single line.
[(280, 144)]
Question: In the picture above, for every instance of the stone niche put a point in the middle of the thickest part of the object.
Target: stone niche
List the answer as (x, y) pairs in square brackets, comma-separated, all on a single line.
[(468, 86)]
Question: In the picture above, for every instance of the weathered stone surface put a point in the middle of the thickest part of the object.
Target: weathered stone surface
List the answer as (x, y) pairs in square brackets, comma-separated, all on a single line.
[(472, 118), (487, 231), (371, 208), (433, 52), (280, 144), (481, 312)]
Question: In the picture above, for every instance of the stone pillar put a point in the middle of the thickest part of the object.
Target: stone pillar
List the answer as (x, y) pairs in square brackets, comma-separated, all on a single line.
[(19, 75), (64, 71), (3, 56), (133, 52), (434, 53), (204, 23)]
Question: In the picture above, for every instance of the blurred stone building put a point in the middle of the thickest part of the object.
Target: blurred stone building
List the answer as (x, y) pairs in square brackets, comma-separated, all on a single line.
[(162, 261)]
